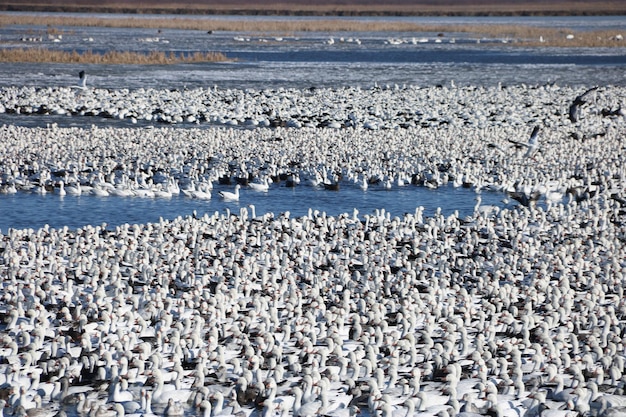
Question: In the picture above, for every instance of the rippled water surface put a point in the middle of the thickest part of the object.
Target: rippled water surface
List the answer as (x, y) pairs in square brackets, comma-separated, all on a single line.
[(298, 60), (24, 210)]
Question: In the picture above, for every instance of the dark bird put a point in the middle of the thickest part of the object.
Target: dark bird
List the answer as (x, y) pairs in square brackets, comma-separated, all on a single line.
[(496, 147), (574, 109), (577, 136), (532, 144), (619, 199), (614, 113), (583, 192), (525, 199), (332, 186)]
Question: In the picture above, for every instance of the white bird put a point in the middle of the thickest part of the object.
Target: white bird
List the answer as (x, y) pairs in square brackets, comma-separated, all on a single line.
[(73, 189), (118, 394), (218, 406), (228, 196), (163, 392), (173, 408), (62, 189), (201, 192), (485, 209), (310, 408), (41, 190), (100, 191), (532, 145), (83, 81), (263, 186), (533, 142), (364, 184)]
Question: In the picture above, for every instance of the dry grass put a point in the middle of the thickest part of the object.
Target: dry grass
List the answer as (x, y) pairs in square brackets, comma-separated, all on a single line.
[(541, 36), (40, 55), (242, 25), (524, 35)]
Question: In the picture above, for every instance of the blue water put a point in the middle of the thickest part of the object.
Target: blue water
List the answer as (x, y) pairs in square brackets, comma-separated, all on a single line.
[(301, 60), (304, 59), (27, 210)]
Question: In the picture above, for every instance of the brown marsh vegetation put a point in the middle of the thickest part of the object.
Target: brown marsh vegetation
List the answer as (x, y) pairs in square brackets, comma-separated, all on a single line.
[(523, 35), (519, 35), (111, 57)]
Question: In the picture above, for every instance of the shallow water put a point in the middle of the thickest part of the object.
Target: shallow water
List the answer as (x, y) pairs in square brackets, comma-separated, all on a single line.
[(26, 210), (301, 60), (305, 59)]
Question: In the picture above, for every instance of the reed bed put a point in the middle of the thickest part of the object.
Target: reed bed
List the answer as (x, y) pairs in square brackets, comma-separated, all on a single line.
[(243, 25), (541, 36), (524, 35), (40, 55)]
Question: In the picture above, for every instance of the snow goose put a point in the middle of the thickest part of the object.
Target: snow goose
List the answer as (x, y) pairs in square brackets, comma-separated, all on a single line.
[(263, 186), (163, 392), (559, 393), (231, 196), (311, 408), (389, 410), (24, 399), (82, 76), (606, 410), (205, 406), (173, 408), (100, 191), (349, 411), (537, 407), (191, 187), (532, 145), (118, 393), (431, 401), (62, 190), (218, 408), (201, 192), (37, 411), (485, 210)]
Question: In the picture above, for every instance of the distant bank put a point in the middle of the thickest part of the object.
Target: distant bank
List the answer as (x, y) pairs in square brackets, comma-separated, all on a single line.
[(330, 8)]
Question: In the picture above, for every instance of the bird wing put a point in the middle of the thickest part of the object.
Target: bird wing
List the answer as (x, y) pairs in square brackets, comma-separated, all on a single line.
[(533, 141), (83, 78), (581, 98), (534, 134), (517, 144), (578, 101)]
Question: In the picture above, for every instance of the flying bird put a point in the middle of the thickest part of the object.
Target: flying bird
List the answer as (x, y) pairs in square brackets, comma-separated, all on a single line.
[(584, 137), (532, 144), (524, 198), (83, 80), (574, 109)]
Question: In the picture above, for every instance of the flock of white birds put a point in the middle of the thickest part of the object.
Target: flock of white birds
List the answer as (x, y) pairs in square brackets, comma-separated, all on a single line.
[(516, 311)]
